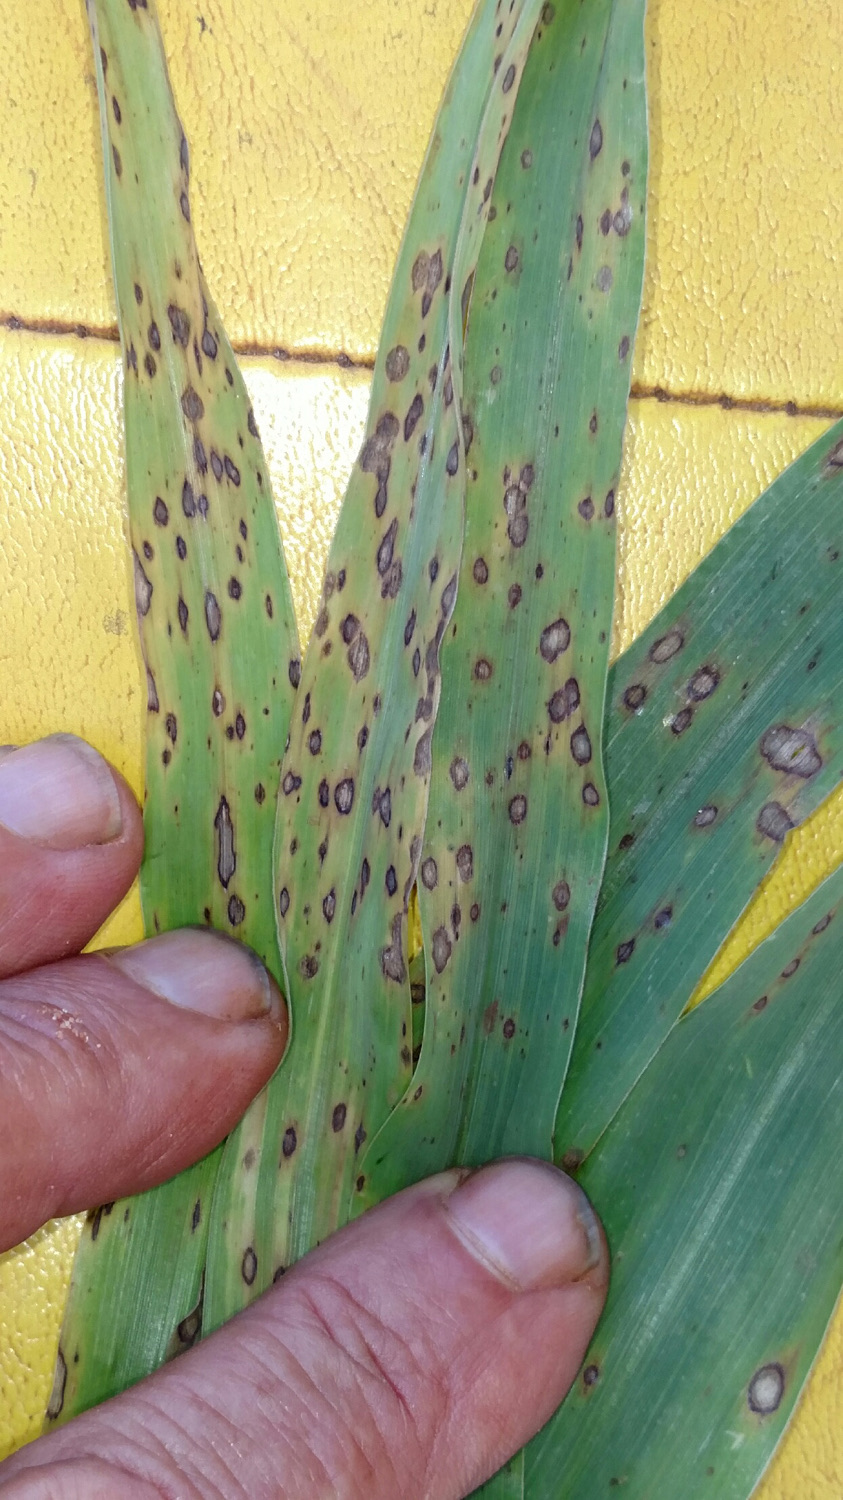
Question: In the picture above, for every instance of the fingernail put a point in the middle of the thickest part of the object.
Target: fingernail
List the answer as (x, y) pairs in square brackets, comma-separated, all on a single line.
[(203, 971), (528, 1223), (60, 793)]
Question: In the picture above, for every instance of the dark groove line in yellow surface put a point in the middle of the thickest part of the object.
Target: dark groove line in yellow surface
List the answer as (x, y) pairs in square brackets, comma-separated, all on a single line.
[(342, 361)]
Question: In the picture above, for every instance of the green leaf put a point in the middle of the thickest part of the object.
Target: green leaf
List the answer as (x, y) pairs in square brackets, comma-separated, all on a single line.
[(720, 1186), (723, 731), (216, 618)]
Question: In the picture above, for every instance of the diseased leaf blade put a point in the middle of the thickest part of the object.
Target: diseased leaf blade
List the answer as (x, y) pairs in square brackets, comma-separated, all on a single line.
[(517, 825), (216, 617), (720, 1186), (354, 781), (723, 731)]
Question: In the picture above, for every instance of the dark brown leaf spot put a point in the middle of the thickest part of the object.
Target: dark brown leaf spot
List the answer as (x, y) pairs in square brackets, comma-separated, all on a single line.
[(397, 363), (421, 266), (314, 741), (344, 795), (391, 957), (590, 794), (213, 615), (414, 414), (441, 949), (289, 1143), (766, 1389), (309, 966), (160, 513), (581, 745), (561, 895), (284, 901), (236, 911), (555, 639), (703, 683), (586, 508), (666, 646), (143, 587), (192, 405), (386, 548), (679, 723), (793, 751), (459, 772), (518, 809), (705, 817), (508, 79), (429, 873), (291, 783), (774, 821), (421, 756), (625, 951), (358, 656), (329, 905), (514, 595), (634, 696), (595, 140)]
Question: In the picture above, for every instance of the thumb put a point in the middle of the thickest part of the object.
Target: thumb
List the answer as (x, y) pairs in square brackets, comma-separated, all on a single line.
[(409, 1356)]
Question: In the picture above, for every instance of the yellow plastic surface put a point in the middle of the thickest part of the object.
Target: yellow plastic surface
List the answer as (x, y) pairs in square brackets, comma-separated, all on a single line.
[(307, 124)]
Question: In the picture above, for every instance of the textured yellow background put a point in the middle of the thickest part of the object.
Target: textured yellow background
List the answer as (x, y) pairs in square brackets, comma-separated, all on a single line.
[(307, 123)]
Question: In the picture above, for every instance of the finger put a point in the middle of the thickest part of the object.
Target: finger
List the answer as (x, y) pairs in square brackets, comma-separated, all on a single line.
[(118, 1071), (71, 840), (409, 1356)]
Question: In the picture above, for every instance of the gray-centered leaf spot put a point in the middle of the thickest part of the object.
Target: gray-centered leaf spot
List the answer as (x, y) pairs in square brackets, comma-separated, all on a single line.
[(143, 587), (226, 854)]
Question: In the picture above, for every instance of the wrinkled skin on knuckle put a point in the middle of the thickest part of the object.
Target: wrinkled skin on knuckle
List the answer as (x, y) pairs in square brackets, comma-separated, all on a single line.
[(376, 1391)]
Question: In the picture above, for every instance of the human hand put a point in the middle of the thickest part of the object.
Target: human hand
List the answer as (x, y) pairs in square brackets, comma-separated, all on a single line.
[(407, 1357)]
